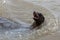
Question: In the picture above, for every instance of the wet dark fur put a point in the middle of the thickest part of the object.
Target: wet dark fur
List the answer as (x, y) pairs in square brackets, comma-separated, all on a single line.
[(38, 19)]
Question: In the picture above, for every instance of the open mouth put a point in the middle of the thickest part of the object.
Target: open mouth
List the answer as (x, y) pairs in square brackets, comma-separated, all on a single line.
[(35, 14)]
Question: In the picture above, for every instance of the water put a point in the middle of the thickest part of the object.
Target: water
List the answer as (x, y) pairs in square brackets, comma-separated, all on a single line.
[(22, 11)]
